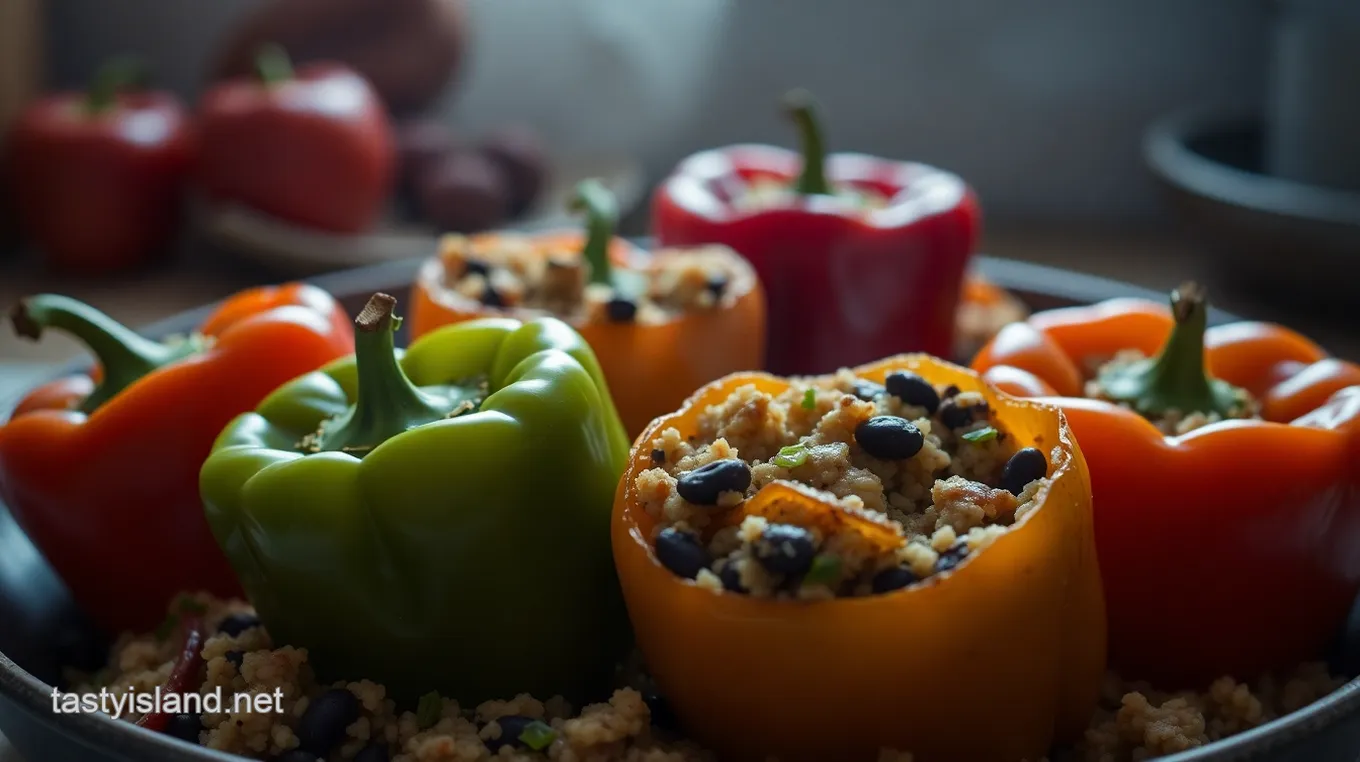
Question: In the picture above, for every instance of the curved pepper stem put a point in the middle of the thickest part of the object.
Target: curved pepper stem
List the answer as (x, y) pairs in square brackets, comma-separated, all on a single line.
[(387, 403), (272, 64), (115, 76), (602, 218), (1176, 378), (124, 355), (800, 108)]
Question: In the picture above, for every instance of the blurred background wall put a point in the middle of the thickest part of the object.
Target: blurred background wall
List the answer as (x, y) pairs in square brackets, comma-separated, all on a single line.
[(1041, 103)]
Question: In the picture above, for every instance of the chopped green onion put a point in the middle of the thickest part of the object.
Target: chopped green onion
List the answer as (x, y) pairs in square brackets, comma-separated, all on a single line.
[(825, 571), (792, 456), (810, 399), (986, 434), (428, 711), (537, 735), (166, 627)]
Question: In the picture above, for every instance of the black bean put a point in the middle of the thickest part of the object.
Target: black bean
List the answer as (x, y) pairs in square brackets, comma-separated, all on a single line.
[(512, 726), (950, 391), (297, 755), (620, 310), (895, 578), (951, 558), (956, 416), (492, 298), (236, 658), (323, 724), (681, 552), (236, 624), (658, 457), (717, 285), (785, 549), (703, 485), (731, 578), (913, 390), (1024, 467), (185, 727), (868, 390), (374, 752), (888, 437), (476, 267), (662, 715)]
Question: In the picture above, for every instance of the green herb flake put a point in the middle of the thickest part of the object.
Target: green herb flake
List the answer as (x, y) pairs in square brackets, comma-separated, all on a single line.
[(428, 710), (986, 434), (825, 571), (166, 627), (810, 399), (792, 456), (537, 735)]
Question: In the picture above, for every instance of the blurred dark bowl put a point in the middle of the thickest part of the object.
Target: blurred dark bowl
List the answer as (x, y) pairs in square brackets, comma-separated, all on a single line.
[(1265, 230)]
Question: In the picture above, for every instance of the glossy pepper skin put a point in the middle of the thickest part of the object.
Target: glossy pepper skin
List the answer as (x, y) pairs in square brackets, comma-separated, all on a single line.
[(913, 669), (312, 147), (97, 175), (652, 367), (426, 544), (1234, 549), (844, 285), (103, 477)]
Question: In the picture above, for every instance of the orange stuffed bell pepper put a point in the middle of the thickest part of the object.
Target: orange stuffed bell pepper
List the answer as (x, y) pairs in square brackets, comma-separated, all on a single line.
[(824, 568), (103, 475), (662, 324), (1223, 472)]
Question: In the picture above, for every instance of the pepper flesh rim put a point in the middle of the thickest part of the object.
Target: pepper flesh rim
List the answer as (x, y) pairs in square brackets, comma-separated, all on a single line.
[(432, 276), (1061, 458)]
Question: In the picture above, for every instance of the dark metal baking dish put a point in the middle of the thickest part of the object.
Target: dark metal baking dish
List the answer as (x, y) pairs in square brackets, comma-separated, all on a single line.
[(40, 629)]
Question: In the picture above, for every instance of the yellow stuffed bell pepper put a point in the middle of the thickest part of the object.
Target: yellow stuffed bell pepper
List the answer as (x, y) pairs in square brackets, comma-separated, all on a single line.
[(896, 557)]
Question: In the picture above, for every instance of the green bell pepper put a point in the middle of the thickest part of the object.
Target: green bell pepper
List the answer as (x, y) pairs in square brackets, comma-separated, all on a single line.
[(436, 519)]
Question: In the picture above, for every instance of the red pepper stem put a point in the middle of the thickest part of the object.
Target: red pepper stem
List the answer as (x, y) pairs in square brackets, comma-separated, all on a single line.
[(272, 64), (602, 219), (115, 76), (124, 356), (387, 402), (801, 109), (1176, 379)]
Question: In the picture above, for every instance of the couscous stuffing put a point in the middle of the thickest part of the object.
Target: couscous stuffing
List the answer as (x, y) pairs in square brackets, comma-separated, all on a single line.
[(906, 479), (510, 271)]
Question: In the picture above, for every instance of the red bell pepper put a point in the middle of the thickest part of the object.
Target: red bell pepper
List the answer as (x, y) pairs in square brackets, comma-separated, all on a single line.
[(313, 147), (97, 175), (847, 281), (102, 472)]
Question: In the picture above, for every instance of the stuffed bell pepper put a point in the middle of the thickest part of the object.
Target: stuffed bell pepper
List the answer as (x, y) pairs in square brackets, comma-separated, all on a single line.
[(662, 324), (1223, 471), (102, 472), (828, 567), (433, 519), (860, 257)]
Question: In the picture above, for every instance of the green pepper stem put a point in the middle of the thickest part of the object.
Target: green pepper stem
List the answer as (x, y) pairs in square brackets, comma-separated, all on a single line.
[(800, 108), (124, 356), (387, 402), (1176, 379), (272, 64), (115, 76), (602, 219)]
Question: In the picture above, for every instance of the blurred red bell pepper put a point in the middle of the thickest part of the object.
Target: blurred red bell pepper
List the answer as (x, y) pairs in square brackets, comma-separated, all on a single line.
[(313, 147), (97, 175), (102, 472), (861, 258)]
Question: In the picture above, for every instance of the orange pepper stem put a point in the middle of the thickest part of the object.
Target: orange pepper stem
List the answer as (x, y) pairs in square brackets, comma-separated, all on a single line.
[(115, 76), (272, 64), (387, 403), (602, 218), (800, 108), (124, 356), (1176, 379)]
